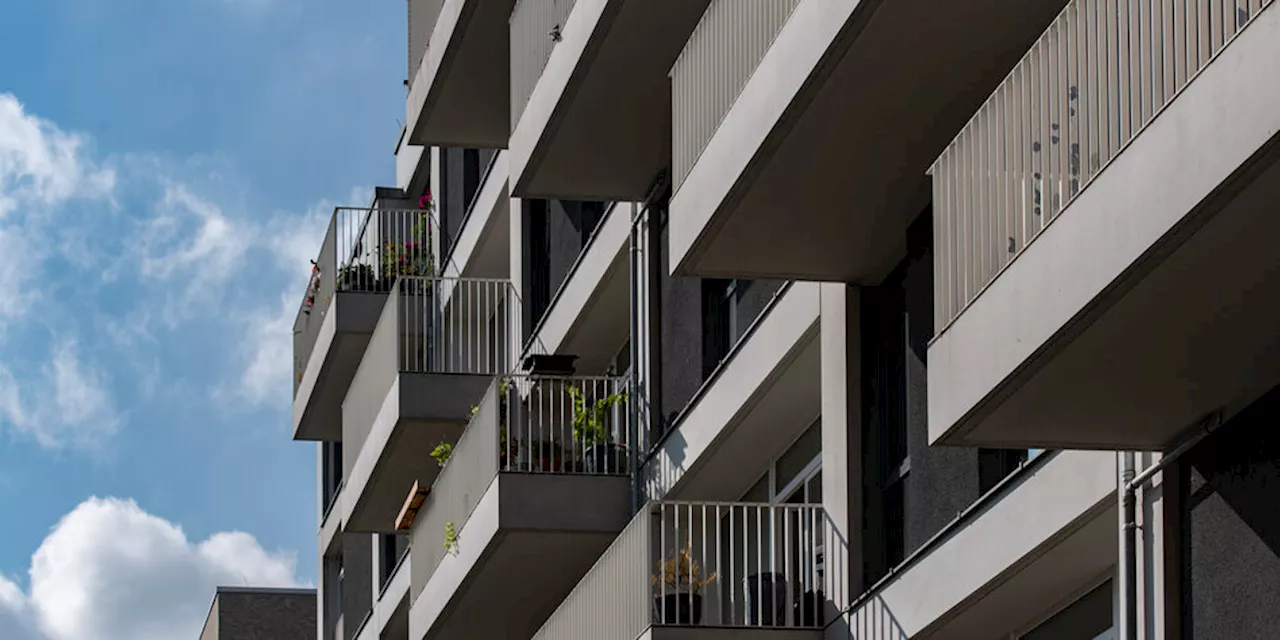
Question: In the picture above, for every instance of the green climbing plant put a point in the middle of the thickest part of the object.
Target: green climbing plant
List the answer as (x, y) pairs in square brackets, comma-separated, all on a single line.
[(591, 420), (450, 539), (442, 452)]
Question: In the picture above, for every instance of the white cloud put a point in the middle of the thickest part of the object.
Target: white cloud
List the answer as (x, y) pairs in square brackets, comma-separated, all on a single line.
[(191, 243), (111, 571), (293, 240), (67, 405), (269, 353), (42, 165)]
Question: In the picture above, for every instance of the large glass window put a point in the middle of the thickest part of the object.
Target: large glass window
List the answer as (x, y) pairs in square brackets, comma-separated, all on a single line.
[(1089, 618)]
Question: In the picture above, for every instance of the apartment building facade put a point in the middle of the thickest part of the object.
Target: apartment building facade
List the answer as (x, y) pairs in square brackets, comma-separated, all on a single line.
[(808, 319)]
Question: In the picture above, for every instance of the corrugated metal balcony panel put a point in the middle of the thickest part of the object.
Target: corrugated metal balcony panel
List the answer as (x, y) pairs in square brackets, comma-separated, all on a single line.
[(612, 601), (716, 63), (534, 28)]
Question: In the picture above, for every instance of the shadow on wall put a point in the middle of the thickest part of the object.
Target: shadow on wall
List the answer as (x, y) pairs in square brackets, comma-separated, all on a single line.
[(871, 620), (1241, 465), (664, 470)]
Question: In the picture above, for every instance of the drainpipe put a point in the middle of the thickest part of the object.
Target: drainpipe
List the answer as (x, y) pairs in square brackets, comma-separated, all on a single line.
[(1129, 483), (1128, 550), (634, 347)]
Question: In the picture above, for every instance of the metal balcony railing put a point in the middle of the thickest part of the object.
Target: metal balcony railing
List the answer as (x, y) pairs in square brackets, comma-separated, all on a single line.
[(456, 325), (720, 57), (525, 424), (565, 425), (364, 251), (717, 564), (536, 27), (1091, 83)]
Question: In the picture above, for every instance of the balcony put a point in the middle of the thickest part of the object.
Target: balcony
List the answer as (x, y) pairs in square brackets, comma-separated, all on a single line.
[(802, 135), (763, 397), (589, 78), (459, 87), (533, 492), (705, 570), (363, 251), (588, 317), (482, 248), (1104, 273), (1040, 539), (437, 347)]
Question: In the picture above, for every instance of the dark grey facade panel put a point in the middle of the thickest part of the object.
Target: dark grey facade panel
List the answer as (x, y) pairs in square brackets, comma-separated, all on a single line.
[(1230, 547), (357, 588), (266, 615)]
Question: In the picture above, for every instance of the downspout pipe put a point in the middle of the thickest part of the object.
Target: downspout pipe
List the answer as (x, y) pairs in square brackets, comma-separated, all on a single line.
[(634, 347), (1128, 549), (1129, 484)]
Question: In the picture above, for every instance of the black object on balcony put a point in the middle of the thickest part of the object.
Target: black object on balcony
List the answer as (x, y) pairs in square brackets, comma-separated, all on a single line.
[(549, 365), (678, 608), (766, 599)]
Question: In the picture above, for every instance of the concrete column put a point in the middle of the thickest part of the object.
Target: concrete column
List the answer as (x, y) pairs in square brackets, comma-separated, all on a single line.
[(1151, 552), (515, 314), (841, 450)]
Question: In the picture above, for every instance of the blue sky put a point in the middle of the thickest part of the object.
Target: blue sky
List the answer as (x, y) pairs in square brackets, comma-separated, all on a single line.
[(166, 168)]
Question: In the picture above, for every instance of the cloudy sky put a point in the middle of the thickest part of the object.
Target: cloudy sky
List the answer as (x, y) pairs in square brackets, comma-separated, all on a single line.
[(166, 169)]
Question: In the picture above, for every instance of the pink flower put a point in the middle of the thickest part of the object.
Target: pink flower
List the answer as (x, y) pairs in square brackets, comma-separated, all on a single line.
[(425, 201)]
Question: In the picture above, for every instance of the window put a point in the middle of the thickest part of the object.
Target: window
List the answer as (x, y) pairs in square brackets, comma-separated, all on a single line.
[(470, 177), (539, 261), (1089, 618), (721, 324), (886, 463), (331, 470), (995, 464)]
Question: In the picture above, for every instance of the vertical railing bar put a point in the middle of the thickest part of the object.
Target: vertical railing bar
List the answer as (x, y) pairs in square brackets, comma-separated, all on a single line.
[(689, 549), (703, 510), (759, 565), (662, 564), (786, 567), (733, 563)]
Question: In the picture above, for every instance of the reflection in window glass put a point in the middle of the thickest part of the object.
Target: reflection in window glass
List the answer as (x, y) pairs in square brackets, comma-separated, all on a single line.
[(807, 447)]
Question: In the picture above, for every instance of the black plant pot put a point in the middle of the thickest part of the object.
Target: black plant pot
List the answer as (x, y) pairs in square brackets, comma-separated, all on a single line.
[(681, 608), (549, 365), (606, 457)]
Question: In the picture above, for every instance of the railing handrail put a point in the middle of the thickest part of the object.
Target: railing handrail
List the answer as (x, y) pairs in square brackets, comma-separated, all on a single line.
[(731, 503), (455, 279)]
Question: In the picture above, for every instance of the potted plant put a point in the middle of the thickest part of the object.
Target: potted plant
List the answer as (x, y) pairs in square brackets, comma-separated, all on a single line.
[(357, 277), (591, 431), (678, 583)]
